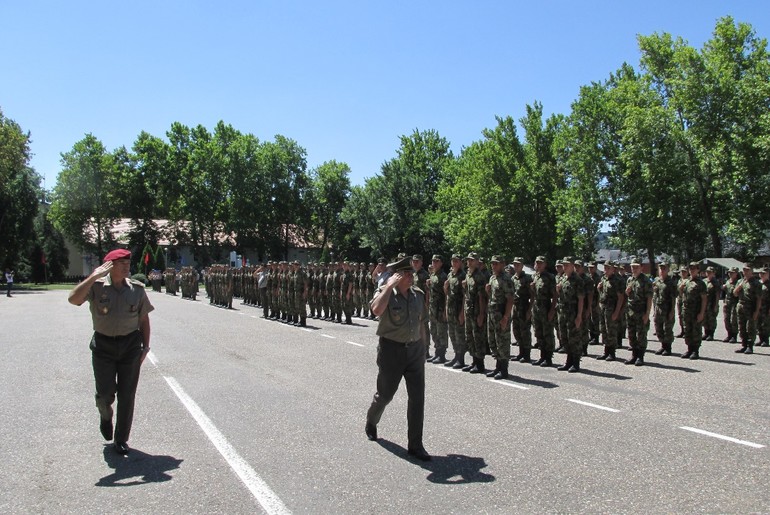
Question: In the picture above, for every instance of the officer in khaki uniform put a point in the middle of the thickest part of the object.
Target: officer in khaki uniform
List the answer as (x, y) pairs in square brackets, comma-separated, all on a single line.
[(401, 352), (120, 313)]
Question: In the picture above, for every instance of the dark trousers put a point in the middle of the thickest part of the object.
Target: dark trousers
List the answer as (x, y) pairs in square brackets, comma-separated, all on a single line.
[(116, 362), (396, 360)]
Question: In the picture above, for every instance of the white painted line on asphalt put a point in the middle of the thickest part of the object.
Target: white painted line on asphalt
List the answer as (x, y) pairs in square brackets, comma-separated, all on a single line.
[(354, 343), (306, 329), (152, 358), (449, 369), (258, 488), (605, 408), (722, 437), (508, 383), (254, 316), (329, 336)]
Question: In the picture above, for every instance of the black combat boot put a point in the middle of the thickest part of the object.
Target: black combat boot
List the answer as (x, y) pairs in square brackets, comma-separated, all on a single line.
[(460, 365), (575, 364), (478, 366), (743, 348), (749, 349), (303, 322), (567, 365), (687, 354), (639, 358), (660, 351), (502, 372), (451, 363), (611, 356), (727, 338), (492, 373), (605, 355), (524, 356), (632, 359), (440, 358), (547, 361)]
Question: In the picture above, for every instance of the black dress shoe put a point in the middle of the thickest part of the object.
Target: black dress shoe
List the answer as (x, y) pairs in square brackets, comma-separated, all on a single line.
[(573, 369), (121, 448), (105, 427), (420, 454), (371, 431)]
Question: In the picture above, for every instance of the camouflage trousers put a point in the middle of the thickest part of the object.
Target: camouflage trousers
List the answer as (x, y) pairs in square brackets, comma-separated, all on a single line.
[(693, 330), (763, 326), (730, 316), (456, 334), (475, 336), (300, 306), (664, 326), (747, 326), (439, 333), (610, 328), (499, 338), (543, 331), (573, 335), (522, 328), (637, 330), (595, 325), (710, 320)]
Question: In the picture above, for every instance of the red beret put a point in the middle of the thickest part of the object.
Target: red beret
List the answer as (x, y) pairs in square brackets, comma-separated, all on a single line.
[(117, 254)]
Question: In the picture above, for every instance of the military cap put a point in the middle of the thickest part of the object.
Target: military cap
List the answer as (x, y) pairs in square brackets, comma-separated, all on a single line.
[(733, 269), (417, 257), (116, 254), (519, 260), (381, 260), (747, 265), (663, 265), (437, 257), (473, 255), (401, 265), (609, 264), (592, 264), (710, 269), (371, 264), (578, 262), (540, 259), (683, 268), (559, 262), (567, 260), (481, 259), (497, 259), (694, 264), (457, 257), (636, 262), (764, 270), (401, 255)]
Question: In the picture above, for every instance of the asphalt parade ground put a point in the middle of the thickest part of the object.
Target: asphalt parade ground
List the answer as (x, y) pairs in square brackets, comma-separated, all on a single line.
[(237, 414)]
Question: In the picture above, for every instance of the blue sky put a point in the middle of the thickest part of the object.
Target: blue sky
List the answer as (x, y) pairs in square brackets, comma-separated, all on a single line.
[(344, 79)]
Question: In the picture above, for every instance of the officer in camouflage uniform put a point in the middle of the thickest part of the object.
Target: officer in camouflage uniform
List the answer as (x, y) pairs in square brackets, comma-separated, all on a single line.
[(611, 301), (300, 289), (664, 296), (474, 296), (684, 276), (421, 277), (544, 296), (596, 312), (355, 272), (437, 309), (713, 289), (639, 295), (693, 292), (749, 293), (571, 291), (730, 306), (455, 315), (521, 316), (588, 288), (558, 321), (346, 297), (763, 324), (500, 293)]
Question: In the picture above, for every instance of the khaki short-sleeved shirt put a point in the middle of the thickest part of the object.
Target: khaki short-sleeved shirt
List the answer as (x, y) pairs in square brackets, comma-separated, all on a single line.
[(117, 312), (402, 319)]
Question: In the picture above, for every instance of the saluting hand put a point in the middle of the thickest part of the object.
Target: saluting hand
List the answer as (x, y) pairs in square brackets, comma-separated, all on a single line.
[(102, 270)]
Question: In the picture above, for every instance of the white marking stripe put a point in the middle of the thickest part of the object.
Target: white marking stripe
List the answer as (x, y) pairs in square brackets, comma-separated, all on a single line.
[(354, 343), (722, 437), (151, 357), (605, 408), (508, 383), (449, 369), (329, 336), (258, 488), (306, 329)]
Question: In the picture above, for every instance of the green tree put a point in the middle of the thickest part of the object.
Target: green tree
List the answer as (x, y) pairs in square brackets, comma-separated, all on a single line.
[(330, 190), (85, 201), (719, 99), (19, 192)]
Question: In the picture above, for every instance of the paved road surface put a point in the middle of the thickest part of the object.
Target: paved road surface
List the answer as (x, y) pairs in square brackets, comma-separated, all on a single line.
[(236, 414)]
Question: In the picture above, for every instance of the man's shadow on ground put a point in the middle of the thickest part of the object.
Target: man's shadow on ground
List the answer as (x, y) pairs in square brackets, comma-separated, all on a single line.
[(138, 468), (452, 469)]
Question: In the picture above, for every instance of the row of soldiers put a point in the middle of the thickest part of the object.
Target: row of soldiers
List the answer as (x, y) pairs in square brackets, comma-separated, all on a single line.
[(478, 309)]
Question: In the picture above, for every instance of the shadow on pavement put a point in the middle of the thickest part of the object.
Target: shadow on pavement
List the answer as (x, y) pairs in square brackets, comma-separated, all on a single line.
[(603, 374), (513, 378), (656, 364), (726, 361), (452, 469), (138, 468)]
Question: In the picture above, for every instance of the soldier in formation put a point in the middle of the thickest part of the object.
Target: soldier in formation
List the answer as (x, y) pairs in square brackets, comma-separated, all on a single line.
[(612, 303), (169, 276), (639, 295), (188, 282), (664, 295)]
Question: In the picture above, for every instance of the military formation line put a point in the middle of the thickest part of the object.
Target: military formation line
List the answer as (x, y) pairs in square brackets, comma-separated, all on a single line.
[(484, 310)]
